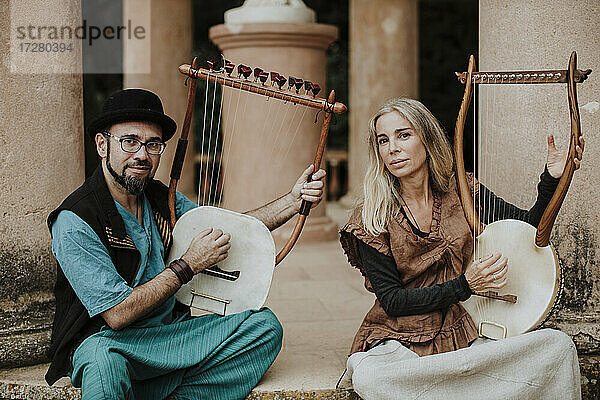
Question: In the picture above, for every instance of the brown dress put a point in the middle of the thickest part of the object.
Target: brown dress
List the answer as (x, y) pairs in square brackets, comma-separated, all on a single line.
[(421, 262)]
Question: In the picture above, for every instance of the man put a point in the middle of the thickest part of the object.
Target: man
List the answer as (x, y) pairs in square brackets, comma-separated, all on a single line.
[(118, 331)]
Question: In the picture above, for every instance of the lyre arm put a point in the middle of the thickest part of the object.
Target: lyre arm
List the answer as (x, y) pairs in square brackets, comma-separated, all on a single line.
[(181, 147), (542, 236), (243, 84), (466, 197), (305, 207)]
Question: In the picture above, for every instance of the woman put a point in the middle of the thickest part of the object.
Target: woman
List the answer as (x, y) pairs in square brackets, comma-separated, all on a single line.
[(410, 240)]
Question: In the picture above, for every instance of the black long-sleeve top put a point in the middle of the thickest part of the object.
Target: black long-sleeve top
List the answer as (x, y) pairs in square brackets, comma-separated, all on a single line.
[(385, 279)]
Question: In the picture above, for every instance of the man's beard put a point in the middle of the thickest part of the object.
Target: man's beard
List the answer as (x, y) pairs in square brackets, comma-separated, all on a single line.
[(133, 185)]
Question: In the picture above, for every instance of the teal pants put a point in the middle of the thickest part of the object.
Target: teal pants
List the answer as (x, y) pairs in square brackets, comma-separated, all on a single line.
[(209, 357)]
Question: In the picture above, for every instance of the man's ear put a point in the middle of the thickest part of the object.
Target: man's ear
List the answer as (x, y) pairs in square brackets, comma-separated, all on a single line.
[(101, 144)]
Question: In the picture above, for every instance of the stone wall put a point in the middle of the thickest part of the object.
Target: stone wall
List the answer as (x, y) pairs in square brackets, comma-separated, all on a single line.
[(41, 162), (536, 34)]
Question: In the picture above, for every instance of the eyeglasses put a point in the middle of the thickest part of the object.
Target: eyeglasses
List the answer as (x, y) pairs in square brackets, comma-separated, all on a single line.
[(132, 145)]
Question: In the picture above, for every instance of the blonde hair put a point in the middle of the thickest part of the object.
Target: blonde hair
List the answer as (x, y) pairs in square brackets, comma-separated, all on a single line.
[(381, 189)]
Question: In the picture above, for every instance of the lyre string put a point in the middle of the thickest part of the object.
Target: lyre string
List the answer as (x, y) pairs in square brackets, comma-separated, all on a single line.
[(294, 137), (214, 158), (263, 131), (200, 188), (279, 131), (233, 131), (219, 179), (212, 116), (477, 172), (288, 126)]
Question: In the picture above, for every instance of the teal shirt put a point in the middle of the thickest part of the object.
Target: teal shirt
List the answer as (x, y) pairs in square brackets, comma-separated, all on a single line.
[(89, 269)]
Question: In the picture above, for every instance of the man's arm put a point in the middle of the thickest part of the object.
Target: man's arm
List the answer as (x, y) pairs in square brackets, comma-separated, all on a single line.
[(96, 282), (142, 300), (279, 211), (208, 248)]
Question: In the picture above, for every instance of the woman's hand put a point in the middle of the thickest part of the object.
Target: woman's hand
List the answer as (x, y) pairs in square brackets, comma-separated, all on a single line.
[(556, 159), (487, 273)]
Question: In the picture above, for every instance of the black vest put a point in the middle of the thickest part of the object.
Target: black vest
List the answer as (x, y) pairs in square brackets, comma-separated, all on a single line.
[(93, 203)]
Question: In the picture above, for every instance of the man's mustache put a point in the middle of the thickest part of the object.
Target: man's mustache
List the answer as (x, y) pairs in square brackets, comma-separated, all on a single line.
[(140, 163)]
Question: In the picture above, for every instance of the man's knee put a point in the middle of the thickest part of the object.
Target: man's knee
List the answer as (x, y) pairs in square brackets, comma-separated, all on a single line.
[(100, 370), (273, 328)]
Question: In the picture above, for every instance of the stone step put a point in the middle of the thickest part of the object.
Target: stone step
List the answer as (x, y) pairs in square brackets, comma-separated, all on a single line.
[(28, 384)]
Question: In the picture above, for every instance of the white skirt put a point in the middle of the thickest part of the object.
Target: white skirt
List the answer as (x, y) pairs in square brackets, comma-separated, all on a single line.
[(537, 365)]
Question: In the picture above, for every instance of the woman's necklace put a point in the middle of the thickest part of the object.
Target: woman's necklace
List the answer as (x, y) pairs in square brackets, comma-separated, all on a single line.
[(411, 214)]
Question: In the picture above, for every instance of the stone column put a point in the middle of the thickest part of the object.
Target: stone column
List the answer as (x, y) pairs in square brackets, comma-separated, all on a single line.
[(536, 34), (383, 65), (170, 46), (271, 144), (41, 162)]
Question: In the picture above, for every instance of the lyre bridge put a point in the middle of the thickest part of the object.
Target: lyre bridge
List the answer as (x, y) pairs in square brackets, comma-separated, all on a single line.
[(511, 298), (220, 273)]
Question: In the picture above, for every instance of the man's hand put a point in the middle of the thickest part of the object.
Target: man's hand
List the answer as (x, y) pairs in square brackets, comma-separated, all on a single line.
[(309, 191), (207, 249), (556, 159)]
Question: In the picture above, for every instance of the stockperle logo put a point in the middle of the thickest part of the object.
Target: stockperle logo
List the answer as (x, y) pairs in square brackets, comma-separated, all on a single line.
[(92, 36)]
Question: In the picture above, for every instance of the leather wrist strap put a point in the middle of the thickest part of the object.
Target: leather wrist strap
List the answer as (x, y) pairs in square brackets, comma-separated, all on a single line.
[(182, 270)]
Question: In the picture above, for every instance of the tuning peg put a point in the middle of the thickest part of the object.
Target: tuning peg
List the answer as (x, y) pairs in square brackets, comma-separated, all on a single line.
[(263, 77), (229, 66), (315, 89), (274, 77), (291, 82), (281, 81), (299, 82), (307, 86), (244, 70), (213, 65), (257, 72)]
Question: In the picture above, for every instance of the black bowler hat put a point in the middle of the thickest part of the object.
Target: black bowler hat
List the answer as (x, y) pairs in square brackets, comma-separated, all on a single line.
[(133, 105)]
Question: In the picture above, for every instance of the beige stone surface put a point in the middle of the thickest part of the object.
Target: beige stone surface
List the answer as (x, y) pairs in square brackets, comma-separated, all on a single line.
[(171, 46), (41, 161), (536, 34), (383, 64), (269, 143)]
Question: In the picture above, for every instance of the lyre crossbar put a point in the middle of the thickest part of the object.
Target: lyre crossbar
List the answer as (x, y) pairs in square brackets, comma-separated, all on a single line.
[(259, 86), (571, 77), (516, 77)]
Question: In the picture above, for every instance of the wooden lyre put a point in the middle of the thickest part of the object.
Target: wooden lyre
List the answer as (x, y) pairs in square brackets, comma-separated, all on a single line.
[(534, 276), (199, 292)]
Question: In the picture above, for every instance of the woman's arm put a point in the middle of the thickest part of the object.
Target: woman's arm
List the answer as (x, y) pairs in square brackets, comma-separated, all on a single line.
[(397, 300), (493, 208)]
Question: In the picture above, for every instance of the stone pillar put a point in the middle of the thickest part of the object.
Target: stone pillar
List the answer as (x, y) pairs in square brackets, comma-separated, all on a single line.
[(383, 65), (536, 34), (171, 46), (264, 162), (41, 162)]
